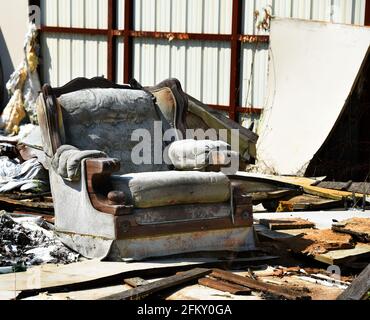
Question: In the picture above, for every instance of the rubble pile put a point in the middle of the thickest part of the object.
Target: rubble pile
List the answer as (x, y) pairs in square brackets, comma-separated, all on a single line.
[(26, 242)]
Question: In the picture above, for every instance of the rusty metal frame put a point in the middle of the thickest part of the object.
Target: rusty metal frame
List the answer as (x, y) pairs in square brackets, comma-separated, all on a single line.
[(367, 13), (112, 33)]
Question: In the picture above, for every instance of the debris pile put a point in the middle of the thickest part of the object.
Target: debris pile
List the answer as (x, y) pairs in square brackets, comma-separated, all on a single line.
[(28, 242)]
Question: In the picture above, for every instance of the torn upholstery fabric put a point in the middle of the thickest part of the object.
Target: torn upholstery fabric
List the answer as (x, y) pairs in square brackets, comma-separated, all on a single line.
[(192, 154), (67, 161), (164, 188)]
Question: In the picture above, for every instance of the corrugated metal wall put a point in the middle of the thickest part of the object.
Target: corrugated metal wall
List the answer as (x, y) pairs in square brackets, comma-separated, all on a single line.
[(203, 67)]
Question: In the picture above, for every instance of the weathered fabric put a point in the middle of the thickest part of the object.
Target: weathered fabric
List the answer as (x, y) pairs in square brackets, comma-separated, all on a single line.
[(105, 119), (155, 189), (195, 154), (67, 161), (27, 176)]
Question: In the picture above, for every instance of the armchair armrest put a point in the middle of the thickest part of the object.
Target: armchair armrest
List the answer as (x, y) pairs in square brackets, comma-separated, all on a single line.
[(102, 196)]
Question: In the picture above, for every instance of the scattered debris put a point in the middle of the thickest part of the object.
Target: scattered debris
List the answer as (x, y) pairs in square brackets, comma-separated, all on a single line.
[(357, 227), (359, 288), (314, 242), (23, 240), (148, 289), (285, 292), (224, 286)]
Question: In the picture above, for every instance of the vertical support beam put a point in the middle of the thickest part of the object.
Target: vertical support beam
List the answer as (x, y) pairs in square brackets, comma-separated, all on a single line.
[(112, 25), (127, 57), (235, 58), (367, 13)]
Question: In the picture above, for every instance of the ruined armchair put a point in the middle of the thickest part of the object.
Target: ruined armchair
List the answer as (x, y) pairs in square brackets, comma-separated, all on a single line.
[(106, 205)]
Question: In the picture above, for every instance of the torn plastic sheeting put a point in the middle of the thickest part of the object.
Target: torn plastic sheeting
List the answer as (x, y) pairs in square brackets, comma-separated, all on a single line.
[(27, 176), (24, 240)]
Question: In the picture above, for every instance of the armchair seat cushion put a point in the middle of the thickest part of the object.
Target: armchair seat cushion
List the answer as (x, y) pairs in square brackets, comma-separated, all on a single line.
[(164, 188)]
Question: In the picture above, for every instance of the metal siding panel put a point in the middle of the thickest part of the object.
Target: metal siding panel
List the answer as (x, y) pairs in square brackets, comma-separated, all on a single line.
[(102, 14), (91, 58), (282, 8), (102, 57), (194, 15), (302, 9), (224, 74), (225, 16), (64, 13), (163, 61), (162, 15), (50, 9), (178, 15), (50, 59), (65, 60), (254, 75), (120, 14), (137, 23), (210, 75), (145, 16), (194, 85), (136, 70), (321, 10), (179, 61), (78, 15), (78, 49), (68, 56), (119, 65), (202, 67), (91, 14)]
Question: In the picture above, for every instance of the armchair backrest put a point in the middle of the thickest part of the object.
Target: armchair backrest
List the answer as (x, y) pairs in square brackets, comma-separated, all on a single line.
[(97, 117)]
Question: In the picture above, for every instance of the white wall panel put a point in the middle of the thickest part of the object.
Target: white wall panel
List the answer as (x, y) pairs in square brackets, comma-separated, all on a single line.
[(194, 16), (119, 64), (202, 67), (66, 57), (75, 13), (339, 11)]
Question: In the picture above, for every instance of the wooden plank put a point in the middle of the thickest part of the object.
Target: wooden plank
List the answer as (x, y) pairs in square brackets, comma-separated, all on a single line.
[(276, 290), (287, 224), (224, 286), (359, 288), (272, 234), (148, 289), (26, 203), (308, 187), (135, 282), (310, 202), (337, 257), (53, 278), (89, 294)]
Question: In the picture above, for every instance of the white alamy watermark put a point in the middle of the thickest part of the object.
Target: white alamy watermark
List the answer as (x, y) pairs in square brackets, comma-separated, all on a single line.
[(34, 14), (197, 149)]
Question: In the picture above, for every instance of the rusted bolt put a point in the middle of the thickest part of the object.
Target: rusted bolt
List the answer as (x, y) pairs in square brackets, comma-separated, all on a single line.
[(245, 215), (125, 226), (116, 197)]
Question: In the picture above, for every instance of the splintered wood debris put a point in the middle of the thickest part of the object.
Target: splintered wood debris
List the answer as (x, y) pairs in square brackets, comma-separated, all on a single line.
[(357, 227), (313, 242)]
